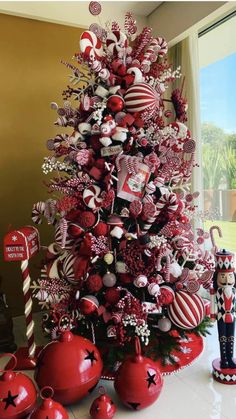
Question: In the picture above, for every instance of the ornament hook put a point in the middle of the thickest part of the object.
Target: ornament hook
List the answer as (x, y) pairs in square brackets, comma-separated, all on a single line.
[(14, 361)]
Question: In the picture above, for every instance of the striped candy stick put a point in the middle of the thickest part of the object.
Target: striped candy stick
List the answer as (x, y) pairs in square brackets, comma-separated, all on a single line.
[(28, 308)]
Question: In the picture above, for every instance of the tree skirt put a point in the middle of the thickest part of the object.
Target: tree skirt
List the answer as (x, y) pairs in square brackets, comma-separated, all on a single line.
[(190, 349)]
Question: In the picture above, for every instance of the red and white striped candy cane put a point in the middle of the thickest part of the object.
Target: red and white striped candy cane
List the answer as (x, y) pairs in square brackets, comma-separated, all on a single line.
[(132, 163), (63, 225), (167, 199), (212, 236), (163, 46), (167, 274), (150, 52), (149, 215), (28, 308)]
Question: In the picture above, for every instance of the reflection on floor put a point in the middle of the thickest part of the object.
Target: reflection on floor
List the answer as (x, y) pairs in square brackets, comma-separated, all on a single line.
[(191, 393)]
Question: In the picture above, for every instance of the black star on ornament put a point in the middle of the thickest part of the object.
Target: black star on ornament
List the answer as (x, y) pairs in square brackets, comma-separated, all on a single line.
[(9, 400), (134, 405), (91, 356), (150, 379)]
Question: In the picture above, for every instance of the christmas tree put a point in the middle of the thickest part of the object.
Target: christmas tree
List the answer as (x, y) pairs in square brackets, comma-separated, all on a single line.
[(124, 262)]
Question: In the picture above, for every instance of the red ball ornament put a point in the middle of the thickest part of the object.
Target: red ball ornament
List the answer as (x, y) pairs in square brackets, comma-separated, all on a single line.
[(87, 219), (94, 283), (126, 278), (75, 230), (138, 381), (167, 295), (102, 407), (18, 396), (49, 408), (88, 304), (187, 310), (112, 295), (72, 366), (101, 229), (115, 103)]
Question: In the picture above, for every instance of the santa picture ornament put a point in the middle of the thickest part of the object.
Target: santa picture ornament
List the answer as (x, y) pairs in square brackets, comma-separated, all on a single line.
[(138, 381), (223, 305), (18, 396), (49, 408), (72, 366)]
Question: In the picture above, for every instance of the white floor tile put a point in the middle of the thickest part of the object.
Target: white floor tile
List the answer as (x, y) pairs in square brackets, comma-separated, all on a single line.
[(189, 394)]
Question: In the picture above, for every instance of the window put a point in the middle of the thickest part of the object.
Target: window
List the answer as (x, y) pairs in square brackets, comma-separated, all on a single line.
[(217, 53)]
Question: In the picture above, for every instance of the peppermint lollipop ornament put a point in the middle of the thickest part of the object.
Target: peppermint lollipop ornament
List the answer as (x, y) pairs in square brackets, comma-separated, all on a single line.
[(18, 394), (138, 381), (91, 46)]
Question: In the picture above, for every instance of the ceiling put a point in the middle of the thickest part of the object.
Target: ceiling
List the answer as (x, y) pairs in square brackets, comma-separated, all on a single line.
[(76, 13)]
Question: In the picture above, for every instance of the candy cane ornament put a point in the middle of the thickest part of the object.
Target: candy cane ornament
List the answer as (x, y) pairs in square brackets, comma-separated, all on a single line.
[(21, 245), (212, 229)]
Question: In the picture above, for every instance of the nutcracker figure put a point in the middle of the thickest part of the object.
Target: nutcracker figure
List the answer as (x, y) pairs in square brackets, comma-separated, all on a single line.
[(223, 302)]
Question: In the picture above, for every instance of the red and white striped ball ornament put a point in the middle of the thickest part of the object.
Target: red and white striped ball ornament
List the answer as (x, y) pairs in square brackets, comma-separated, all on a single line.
[(91, 46), (141, 96), (68, 268), (187, 310)]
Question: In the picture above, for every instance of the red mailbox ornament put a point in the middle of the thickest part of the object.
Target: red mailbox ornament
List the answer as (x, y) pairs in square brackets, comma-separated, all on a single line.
[(49, 409), (138, 381), (21, 245), (18, 395), (72, 366)]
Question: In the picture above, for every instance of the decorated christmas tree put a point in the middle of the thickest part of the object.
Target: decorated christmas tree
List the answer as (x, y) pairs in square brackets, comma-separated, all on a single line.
[(124, 261)]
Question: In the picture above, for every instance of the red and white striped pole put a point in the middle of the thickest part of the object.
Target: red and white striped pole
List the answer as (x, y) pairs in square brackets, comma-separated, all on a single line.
[(28, 308)]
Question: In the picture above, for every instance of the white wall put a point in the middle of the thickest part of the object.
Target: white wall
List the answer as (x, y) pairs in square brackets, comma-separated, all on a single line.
[(172, 18)]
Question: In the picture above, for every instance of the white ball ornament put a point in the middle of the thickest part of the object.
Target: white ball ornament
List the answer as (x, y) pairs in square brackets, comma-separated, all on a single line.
[(140, 281), (108, 258), (109, 279), (154, 289), (117, 232), (164, 324), (175, 269)]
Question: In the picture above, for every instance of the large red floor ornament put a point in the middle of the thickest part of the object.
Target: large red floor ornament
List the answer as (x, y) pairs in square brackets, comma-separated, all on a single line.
[(71, 365), (138, 381), (18, 395), (102, 407), (21, 245), (49, 408)]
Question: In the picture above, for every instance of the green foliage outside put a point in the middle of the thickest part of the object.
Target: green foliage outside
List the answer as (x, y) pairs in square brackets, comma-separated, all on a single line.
[(219, 157)]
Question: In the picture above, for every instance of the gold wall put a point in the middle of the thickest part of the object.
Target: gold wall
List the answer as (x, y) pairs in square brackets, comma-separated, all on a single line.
[(31, 77)]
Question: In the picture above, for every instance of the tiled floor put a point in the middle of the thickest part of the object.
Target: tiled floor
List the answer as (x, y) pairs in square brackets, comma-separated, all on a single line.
[(189, 394)]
